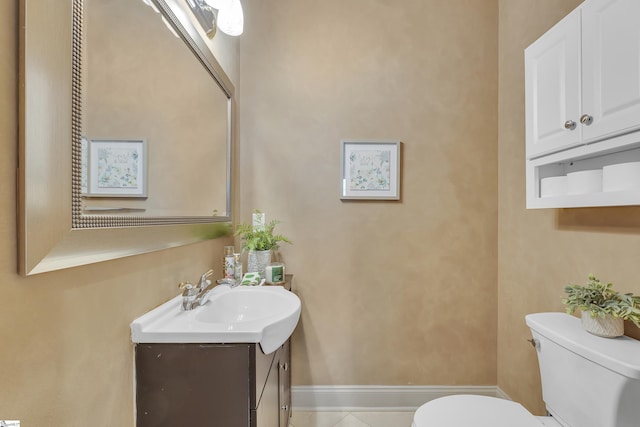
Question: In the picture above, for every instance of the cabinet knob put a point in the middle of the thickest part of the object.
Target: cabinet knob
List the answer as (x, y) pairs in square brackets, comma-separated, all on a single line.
[(285, 407), (586, 119), (570, 124), (285, 366)]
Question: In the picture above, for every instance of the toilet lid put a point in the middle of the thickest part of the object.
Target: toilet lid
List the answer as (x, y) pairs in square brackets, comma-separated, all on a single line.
[(473, 411)]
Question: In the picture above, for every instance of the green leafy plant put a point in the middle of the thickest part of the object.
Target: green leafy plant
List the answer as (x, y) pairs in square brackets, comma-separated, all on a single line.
[(599, 299), (260, 239)]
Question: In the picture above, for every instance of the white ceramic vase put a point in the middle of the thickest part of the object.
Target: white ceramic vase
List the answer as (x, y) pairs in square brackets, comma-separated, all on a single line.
[(606, 327), (257, 261)]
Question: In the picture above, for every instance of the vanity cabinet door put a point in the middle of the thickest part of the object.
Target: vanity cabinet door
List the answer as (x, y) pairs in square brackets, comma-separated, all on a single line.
[(284, 373), (552, 86), (267, 413), (195, 385), (611, 67)]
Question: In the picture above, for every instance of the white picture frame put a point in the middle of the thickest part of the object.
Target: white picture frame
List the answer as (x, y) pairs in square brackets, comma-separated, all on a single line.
[(116, 168), (370, 170)]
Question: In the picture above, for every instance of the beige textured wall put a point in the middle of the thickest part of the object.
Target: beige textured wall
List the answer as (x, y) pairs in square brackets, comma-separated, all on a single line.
[(66, 356), (542, 250), (393, 293)]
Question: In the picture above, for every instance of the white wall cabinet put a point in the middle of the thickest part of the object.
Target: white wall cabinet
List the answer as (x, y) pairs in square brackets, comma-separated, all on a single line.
[(611, 67), (582, 87), (552, 88)]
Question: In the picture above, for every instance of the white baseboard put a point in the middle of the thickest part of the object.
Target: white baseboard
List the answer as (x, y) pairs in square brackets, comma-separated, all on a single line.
[(501, 394), (380, 398)]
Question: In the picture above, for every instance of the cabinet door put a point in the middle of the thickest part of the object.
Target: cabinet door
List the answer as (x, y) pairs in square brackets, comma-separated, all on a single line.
[(195, 385), (611, 67), (285, 384), (552, 85), (267, 412)]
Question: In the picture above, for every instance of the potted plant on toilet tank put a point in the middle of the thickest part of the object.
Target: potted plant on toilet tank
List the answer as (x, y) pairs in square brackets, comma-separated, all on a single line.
[(603, 309), (259, 240)]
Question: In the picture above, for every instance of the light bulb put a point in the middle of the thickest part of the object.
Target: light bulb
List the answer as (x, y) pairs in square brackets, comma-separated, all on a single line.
[(231, 18)]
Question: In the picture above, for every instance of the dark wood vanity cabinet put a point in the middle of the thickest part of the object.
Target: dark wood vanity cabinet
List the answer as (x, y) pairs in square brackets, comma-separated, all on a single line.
[(212, 385)]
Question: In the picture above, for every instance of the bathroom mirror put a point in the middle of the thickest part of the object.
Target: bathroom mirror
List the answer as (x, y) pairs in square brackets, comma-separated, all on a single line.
[(126, 132)]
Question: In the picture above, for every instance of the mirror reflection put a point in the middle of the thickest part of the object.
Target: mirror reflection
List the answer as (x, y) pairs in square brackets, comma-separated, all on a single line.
[(155, 114), (155, 125)]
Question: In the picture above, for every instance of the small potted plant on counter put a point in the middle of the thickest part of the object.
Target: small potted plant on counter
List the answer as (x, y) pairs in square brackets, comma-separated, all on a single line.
[(603, 309), (259, 240)]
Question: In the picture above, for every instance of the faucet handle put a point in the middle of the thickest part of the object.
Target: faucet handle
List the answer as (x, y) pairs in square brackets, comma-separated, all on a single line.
[(204, 282), (187, 288), (189, 295)]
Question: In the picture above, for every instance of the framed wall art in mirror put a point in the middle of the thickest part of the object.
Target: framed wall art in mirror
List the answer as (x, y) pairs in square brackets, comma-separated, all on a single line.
[(114, 168), (100, 71)]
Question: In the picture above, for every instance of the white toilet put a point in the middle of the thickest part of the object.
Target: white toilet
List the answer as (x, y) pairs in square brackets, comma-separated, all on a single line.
[(587, 381)]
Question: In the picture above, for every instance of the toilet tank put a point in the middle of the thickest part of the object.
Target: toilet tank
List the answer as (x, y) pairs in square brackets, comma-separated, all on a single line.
[(587, 381)]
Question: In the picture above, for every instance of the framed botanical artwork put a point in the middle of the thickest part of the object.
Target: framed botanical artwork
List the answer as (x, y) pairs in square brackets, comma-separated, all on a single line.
[(370, 170), (116, 168)]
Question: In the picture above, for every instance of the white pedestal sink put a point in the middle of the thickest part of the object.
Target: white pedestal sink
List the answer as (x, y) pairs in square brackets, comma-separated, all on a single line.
[(244, 314)]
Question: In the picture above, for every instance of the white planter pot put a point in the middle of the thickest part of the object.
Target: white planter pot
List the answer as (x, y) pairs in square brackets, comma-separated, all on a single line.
[(257, 261), (607, 327)]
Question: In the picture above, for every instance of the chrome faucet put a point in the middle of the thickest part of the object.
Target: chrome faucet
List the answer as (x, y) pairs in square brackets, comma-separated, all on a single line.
[(195, 296)]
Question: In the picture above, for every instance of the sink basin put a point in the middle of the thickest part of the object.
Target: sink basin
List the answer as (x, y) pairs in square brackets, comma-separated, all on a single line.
[(245, 314), (246, 305)]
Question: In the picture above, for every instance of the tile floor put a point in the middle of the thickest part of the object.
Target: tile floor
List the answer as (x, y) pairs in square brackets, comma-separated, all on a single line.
[(351, 419)]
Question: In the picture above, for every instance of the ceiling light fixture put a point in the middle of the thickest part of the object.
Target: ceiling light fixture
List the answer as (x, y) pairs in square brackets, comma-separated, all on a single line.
[(229, 18)]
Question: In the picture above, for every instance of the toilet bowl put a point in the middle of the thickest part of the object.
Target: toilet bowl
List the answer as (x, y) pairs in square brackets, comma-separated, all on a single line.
[(475, 411), (571, 361)]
